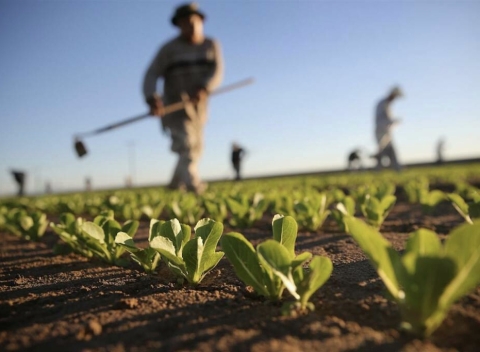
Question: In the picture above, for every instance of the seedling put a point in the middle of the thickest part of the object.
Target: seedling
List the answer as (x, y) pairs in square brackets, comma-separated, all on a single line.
[(97, 237), (428, 278), (375, 210), (273, 266), (469, 211), (189, 259), (28, 225), (148, 258)]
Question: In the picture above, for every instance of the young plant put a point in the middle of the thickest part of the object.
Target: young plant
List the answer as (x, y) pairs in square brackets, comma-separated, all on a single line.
[(348, 206), (97, 237), (186, 209), (148, 258), (428, 278), (28, 225), (245, 212), (273, 266), (430, 199), (190, 259), (469, 211), (375, 210), (216, 209), (312, 211)]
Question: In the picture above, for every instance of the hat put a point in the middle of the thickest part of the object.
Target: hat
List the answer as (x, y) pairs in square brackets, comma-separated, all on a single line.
[(186, 10), (396, 91)]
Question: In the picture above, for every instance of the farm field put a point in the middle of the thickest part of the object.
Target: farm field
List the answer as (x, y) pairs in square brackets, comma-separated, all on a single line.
[(52, 302)]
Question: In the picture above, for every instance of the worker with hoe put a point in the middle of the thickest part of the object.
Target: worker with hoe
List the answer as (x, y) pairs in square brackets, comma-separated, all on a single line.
[(191, 66), (384, 123)]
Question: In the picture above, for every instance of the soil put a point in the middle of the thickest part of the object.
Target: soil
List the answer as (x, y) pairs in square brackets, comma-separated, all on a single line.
[(69, 303)]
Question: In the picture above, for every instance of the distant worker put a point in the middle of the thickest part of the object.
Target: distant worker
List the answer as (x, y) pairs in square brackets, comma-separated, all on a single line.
[(237, 156), (439, 149), (19, 177), (191, 66), (384, 123), (355, 160), (88, 184)]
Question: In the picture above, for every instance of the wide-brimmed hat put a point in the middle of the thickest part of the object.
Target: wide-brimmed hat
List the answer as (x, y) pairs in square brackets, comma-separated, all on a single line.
[(396, 92), (186, 10)]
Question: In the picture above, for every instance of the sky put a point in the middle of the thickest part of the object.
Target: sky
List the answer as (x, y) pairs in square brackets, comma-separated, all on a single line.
[(320, 67)]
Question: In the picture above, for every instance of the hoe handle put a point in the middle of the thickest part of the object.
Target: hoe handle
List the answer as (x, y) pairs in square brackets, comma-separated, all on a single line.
[(167, 110)]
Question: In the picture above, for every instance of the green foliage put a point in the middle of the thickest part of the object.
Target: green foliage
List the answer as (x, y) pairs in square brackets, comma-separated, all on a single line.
[(148, 258), (312, 211), (376, 210), (189, 259), (244, 212), (430, 199), (416, 188), (469, 211), (347, 205), (186, 209), (95, 238), (29, 225), (428, 278), (273, 266), (216, 209)]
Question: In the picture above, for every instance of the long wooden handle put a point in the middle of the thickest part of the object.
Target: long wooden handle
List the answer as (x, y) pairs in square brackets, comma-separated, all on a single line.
[(167, 110)]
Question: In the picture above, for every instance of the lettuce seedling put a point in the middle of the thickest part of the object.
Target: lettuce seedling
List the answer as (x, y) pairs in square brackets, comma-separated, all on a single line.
[(428, 278), (430, 199), (312, 211), (153, 211), (97, 237), (148, 258), (348, 206), (245, 212), (186, 209), (70, 231), (469, 211), (375, 210), (189, 259), (28, 225), (273, 266), (216, 209)]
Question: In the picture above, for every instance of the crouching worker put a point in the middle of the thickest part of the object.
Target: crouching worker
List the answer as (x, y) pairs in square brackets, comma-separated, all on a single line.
[(191, 67)]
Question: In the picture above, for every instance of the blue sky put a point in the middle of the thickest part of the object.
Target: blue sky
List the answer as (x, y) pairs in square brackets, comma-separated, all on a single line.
[(320, 67)]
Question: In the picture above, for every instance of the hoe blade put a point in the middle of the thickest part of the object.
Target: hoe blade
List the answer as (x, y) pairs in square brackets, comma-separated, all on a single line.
[(80, 148)]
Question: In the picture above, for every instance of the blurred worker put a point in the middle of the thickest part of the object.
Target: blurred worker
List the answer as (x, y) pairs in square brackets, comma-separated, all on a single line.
[(237, 156), (440, 148), (355, 160), (19, 177), (191, 66), (384, 123)]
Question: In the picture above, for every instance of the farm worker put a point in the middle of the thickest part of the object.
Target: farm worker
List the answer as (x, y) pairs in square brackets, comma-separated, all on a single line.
[(191, 66), (237, 155), (384, 123)]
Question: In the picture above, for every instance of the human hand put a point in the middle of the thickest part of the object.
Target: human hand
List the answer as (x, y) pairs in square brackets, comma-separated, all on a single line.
[(199, 95), (156, 106)]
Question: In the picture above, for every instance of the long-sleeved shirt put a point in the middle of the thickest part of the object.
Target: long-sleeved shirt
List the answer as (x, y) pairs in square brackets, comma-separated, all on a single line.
[(383, 121), (185, 68)]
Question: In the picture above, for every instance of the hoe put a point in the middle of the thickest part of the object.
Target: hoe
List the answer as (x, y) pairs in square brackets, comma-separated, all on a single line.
[(81, 150)]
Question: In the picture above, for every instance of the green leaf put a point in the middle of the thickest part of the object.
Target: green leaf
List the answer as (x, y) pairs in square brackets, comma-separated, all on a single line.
[(463, 247), (320, 271), (458, 203), (94, 231), (275, 257), (130, 227), (424, 282), (166, 248), (244, 259), (192, 254), (285, 232), (424, 243), (126, 241), (380, 253)]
